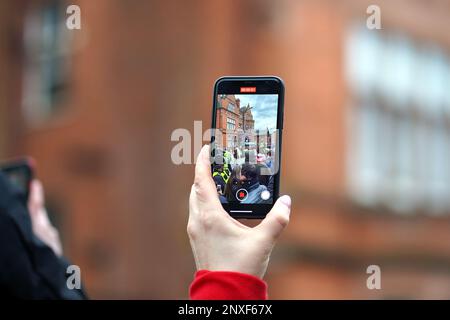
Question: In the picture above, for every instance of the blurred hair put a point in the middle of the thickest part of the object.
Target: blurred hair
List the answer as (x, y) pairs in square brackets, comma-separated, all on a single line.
[(249, 171)]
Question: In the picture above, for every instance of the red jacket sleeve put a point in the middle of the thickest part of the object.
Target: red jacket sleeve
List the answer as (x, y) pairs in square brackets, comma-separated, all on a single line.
[(227, 285)]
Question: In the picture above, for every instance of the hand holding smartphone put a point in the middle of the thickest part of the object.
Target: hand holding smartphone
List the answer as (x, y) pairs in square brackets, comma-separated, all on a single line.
[(247, 123)]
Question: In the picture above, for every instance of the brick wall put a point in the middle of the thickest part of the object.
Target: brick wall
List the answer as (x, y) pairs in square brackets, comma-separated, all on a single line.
[(143, 69)]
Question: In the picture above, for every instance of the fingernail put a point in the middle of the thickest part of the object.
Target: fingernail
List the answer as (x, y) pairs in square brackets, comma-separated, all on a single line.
[(286, 200)]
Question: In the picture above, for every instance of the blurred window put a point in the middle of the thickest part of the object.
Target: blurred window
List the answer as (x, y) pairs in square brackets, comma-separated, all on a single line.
[(399, 122), (231, 107), (47, 45), (231, 124)]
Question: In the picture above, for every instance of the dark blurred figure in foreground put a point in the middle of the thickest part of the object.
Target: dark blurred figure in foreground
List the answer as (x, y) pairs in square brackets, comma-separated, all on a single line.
[(31, 262)]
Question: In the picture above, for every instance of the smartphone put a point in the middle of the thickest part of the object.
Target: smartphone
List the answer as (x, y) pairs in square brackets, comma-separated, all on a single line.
[(20, 173), (246, 135)]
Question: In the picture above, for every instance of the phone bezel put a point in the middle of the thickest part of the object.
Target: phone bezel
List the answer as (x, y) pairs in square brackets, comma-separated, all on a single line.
[(264, 85)]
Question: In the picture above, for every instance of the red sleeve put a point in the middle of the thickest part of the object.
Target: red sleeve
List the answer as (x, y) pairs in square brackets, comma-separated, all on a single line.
[(227, 285)]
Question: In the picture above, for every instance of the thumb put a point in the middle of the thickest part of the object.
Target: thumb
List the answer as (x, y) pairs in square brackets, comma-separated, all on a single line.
[(203, 183), (277, 219)]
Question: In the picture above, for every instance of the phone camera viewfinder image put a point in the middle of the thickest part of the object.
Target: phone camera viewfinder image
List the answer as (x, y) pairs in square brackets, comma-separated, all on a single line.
[(246, 141)]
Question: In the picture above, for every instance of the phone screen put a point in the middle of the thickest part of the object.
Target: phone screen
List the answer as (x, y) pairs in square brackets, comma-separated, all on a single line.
[(245, 164), (19, 179), (20, 174)]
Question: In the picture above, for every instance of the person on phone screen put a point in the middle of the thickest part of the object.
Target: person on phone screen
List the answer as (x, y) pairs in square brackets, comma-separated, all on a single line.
[(250, 181)]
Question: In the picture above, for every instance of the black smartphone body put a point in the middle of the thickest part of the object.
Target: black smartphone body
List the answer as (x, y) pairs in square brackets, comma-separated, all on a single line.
[(20, 173), (247, 126)]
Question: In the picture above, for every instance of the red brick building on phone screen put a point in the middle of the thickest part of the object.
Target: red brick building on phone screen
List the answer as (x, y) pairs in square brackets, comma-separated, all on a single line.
[(365, 145), (233, 120)]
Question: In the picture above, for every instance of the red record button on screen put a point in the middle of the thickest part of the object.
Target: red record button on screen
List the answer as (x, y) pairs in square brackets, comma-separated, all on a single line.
[(241, 194)]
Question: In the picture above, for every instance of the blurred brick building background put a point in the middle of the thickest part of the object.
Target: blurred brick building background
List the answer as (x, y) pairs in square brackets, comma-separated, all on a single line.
[(365, 161)]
